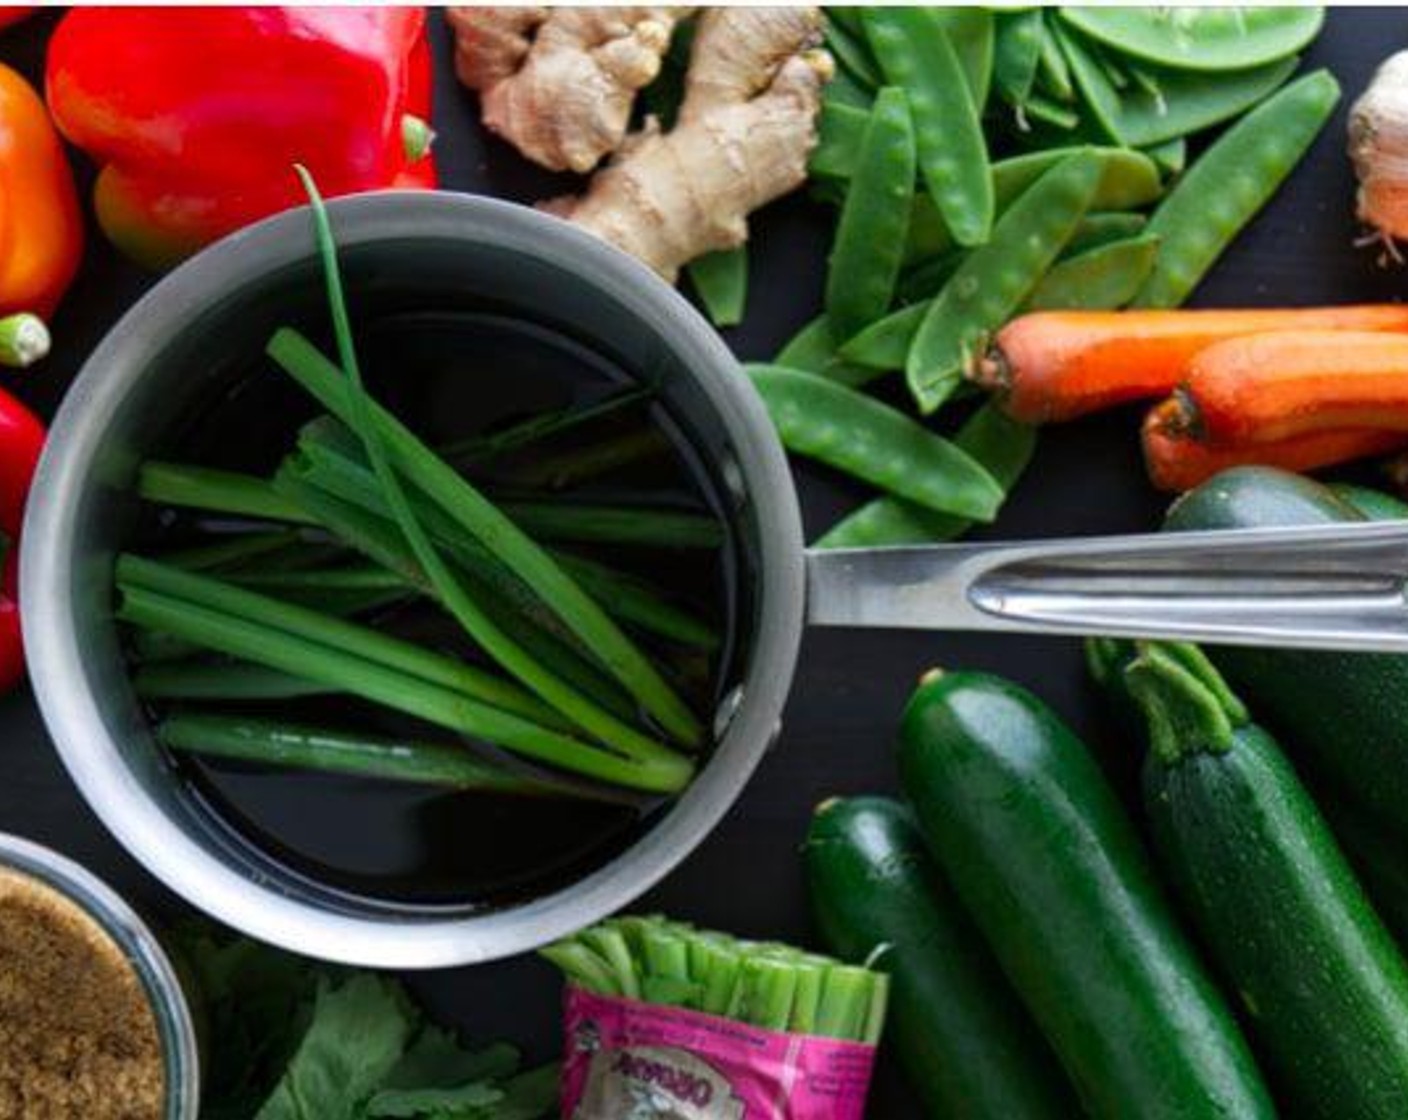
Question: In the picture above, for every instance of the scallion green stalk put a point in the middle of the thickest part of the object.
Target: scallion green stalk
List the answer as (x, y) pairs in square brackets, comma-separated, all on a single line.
[(205, 488), (501, 536), (204, 680), (482, 448), (328, 750), (364, 641), (663, 772)]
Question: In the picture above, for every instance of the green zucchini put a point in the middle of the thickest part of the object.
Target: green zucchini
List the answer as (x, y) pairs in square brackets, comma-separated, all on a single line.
[(1373, 504), (1379, 859), (1045, 860), (967, 1043), (1344, 716), (1320, 978)]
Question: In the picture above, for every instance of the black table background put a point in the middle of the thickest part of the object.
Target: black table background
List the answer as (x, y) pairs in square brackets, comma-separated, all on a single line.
[(1086, 478)]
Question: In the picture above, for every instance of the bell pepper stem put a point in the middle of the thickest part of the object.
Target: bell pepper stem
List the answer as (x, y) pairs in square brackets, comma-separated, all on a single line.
[(24, 339), (416, 137)]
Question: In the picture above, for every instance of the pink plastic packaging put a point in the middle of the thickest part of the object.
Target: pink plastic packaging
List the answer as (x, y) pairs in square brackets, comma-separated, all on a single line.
[(635, 1061)]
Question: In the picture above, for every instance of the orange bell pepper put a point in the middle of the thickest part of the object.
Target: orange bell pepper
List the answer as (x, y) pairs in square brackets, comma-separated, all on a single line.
[(41, 227)]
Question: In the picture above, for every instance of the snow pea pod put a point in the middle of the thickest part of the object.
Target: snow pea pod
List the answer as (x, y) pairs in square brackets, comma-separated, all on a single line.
[(1053, 72), (1230, 182), (1129, 180), (1179, 104), (813, 350), (846, 90), (885, 344), (721, 281), (973, 33), (1018, 51), (853, 55), (925, 280), (995, 280), (1203, 39), (859, 435), (1103, 278), (1170, 157), (870, 235), (1058, 118), (915, 53), (840, 132), (1001, 445), (1100, 229), (847, 18)]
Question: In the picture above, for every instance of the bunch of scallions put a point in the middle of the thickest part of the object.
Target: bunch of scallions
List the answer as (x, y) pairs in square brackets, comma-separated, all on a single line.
[(564, 692)]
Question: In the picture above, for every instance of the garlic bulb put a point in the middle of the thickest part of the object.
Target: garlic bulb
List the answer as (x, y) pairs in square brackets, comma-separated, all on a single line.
[(1378, 145)]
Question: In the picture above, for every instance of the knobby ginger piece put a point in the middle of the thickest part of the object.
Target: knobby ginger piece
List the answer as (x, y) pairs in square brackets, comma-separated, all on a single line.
[(559, 83), (745, 130)]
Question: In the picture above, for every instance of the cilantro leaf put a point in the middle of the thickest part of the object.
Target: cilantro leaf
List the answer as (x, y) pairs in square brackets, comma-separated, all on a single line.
[(358, 1034)]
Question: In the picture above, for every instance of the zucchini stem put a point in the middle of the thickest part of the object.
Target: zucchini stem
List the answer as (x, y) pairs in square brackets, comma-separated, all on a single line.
[(1186, 704)]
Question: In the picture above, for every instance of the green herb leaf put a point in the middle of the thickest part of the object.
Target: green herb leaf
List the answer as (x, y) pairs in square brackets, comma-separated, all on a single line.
[(358, 1034)]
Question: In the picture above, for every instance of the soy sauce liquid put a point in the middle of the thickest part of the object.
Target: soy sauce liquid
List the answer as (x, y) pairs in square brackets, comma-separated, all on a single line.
[(452, 375)]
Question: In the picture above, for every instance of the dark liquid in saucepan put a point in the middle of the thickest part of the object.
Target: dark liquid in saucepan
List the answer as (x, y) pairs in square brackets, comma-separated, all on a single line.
[(451, 375)]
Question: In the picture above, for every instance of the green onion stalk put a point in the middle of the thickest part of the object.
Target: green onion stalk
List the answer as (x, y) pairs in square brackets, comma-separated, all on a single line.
[(766, 985)]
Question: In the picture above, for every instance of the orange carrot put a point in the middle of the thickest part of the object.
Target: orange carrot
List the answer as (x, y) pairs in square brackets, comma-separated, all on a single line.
[(1178, 461), (1056, 365), (1269, 387)]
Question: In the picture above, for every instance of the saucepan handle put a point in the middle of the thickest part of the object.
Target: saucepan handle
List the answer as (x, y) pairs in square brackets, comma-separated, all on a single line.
[(1317, 587)]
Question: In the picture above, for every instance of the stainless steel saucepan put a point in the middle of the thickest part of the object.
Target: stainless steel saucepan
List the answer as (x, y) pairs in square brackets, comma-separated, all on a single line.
[(185, 341)]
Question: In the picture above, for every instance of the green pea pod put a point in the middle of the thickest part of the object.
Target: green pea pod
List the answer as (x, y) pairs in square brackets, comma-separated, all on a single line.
[(1129, 180), (853, 54), (1103, 278), (1230, 182), (870, 236), (1202, 39), (926, 279), (1100, 229), (1053, 72), (813, 350), (859, 435), (845, 90), (721, 280), (1018, 52), (995, 280), (1170, 157), (847, 18), (840, 133), (973, 33), (1177, 105), (1000, 444), (1057, 117), (915, 53), (885, 344)]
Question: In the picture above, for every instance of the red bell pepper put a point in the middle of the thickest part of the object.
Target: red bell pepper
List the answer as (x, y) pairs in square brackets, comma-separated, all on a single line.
[(21, 441), (196, 115)]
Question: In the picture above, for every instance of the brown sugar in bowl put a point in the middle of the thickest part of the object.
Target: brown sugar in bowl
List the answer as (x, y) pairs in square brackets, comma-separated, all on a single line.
[(92, 1022)]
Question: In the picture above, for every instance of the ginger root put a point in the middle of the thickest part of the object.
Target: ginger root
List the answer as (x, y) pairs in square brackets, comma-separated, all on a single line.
[(559, 83), (744, 131)]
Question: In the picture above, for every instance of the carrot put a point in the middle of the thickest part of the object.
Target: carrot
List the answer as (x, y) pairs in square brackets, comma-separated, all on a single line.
[(1177, 461), (1051, 366), (1270, 387)]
